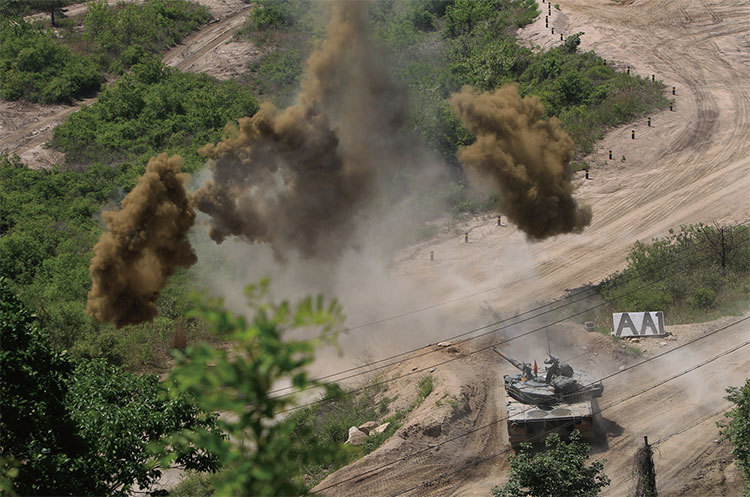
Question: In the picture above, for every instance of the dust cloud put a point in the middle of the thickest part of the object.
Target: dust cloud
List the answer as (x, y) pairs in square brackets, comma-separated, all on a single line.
[(298, 178), (524, 159), (146, 243)]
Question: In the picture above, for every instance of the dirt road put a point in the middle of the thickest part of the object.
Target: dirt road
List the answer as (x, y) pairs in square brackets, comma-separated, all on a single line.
[(692, 165), (25, 127)]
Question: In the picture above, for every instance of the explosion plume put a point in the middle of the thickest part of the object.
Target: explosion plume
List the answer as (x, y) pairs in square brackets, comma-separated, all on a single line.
[(524, 159), (146, 242), (297, 178)]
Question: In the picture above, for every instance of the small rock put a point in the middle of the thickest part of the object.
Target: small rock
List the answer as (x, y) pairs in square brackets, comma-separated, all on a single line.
[(445, 344), (414, 368), (662, 343), (367, 427), (380, 429), (636, 340), (717, 441), (432, 370), (356, 436), (622, 368)]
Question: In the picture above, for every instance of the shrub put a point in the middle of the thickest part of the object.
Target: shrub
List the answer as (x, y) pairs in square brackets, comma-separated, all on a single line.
[(703, 298), (736, 429), (81, 427), (559, 470), (269, 14), (425, 387), (33, 65), (572, 42), (122, 34), (152, 109)]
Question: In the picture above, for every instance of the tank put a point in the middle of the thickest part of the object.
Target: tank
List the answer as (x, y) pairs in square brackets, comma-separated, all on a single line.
[(552, 399)]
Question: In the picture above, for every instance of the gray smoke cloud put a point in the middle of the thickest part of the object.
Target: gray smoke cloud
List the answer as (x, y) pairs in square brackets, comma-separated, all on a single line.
[(298, 178)]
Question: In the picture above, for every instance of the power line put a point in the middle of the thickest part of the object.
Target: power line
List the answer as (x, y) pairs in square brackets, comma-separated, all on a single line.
[(474, 430), (401, 354), (702, 420), (482, 349)]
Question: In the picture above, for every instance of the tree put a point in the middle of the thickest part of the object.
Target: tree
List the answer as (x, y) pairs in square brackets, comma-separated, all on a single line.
[(559, 471), (51, 6), (80, 428), (255, 458), (35, 429), (736, 429)]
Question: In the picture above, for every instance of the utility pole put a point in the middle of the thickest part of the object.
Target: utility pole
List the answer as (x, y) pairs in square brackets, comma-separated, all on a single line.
[(644, 466)]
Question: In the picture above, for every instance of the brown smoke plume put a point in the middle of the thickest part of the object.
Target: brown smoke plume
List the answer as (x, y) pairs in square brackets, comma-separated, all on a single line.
[(146, 242), (297, 178), (524, 159)]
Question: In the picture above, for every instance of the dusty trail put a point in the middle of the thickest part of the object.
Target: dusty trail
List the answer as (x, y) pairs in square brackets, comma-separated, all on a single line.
[(25, 127), (692, 165)]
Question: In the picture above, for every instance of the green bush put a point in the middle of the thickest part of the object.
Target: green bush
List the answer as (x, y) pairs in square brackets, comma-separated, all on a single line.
[(153, 109), (425, 387), (35, 66), (270, 14), (736, 429), (82, 427), (703, 298), (122, 34), (559, 470), (682, 276)]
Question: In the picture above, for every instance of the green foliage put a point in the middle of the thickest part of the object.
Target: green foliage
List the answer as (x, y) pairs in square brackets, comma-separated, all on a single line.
[(425, 387), (286, 30), (278, 73), (35, 429), (120, 35), (80, 428), (272, 14), (35, 66), (49, 224), (703, 298), (559, 471), (257, 460), (150, 110), (572, 42), (736, 429), (682, 276)]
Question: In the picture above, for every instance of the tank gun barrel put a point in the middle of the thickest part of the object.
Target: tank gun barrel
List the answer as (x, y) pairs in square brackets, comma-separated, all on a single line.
[(517, 364)]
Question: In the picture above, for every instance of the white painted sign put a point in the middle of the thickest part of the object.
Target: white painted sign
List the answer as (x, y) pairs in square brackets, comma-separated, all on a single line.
[(637, 324)]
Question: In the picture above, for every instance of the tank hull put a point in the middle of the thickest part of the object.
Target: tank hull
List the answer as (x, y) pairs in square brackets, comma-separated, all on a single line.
[(529, 423)]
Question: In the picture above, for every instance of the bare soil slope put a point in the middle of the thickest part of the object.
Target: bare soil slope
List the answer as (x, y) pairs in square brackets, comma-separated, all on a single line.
[(692, 165)]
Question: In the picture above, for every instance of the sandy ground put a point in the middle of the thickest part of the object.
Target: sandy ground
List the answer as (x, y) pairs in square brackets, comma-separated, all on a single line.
[(25, 127), (211, 50), (692, 165)]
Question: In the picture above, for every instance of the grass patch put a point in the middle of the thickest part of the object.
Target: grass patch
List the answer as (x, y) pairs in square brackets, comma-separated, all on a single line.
[(329, 422), (425, 388)]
